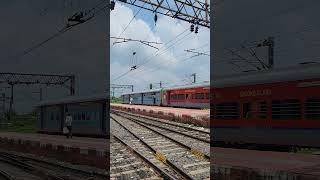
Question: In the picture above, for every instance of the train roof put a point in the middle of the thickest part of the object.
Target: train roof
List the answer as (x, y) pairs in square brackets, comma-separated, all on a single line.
[(292, 73), (74, 99), (172, 88), (193, 85), (144, 91)]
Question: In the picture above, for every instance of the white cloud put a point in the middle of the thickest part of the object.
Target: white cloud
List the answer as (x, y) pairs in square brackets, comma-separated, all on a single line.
[(169, 64)]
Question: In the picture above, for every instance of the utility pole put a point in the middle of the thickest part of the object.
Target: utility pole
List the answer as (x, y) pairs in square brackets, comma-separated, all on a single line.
[(2, 118), (120, 86), (11, 102), (194, 77), (113, 89), (270, 51)]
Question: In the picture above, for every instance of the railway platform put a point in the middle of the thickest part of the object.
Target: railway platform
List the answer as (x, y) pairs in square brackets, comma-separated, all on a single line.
[(252, 164), (195, 116), (78, 150)]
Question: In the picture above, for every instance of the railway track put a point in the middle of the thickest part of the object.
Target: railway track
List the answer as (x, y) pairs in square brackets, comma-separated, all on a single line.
[(23, 167), (126, 163), (179, 160), (195, 139)]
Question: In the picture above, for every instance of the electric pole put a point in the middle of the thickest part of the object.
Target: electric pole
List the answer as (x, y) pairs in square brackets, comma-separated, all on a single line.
[(270, 51), (194, 77), (2, 118), (11, 102), (113, 89)]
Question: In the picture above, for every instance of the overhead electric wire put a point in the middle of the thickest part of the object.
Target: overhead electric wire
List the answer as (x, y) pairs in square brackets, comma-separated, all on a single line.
[(60, 32), (148, 59), (159, 67), (128, 24), (122, 75), (160, 54)]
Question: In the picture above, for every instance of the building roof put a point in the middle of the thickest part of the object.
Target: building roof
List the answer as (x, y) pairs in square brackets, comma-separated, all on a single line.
[(292, 73), (74, 99)]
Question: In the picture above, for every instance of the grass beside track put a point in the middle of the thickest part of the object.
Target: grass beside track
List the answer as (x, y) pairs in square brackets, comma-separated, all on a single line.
[(309, 151), (20, 123)]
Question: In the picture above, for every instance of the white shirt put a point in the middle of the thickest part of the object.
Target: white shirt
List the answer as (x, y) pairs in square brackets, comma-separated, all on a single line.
[(68, 120)]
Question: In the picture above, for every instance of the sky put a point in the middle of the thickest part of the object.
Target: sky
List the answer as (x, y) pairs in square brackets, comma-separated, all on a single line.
[(239, 25), (171, 64), (82, 51)]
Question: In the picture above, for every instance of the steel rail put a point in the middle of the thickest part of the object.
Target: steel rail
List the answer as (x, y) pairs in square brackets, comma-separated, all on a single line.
[(154, 166), (91, 173), (171, 164), (186, 127), (28, 168), (168, 137), (174, 131), (6, 175)]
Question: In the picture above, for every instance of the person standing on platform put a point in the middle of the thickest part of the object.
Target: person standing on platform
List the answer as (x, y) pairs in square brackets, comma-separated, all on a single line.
[(131, 99), (68, 124)]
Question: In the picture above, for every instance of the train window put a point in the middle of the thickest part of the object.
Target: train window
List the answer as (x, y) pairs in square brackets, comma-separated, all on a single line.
[(199, 95), (286, 109), (247, 111), (263, 110), (226, 110), (52, 116), (181, 96), (312, 108), (57, 116), (97, 116), (207, 95), (79, 116), (83, 116), (172, 96), (88, 115)]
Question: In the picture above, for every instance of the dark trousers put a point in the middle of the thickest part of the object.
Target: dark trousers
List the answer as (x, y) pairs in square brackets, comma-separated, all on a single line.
[(70, 132)]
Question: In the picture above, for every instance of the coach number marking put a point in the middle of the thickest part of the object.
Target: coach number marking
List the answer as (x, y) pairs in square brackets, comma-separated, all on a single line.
[(252, 93)]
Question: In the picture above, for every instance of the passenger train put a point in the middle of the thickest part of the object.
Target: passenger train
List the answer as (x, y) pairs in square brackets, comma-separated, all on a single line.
[(187, 96), (276, 107)]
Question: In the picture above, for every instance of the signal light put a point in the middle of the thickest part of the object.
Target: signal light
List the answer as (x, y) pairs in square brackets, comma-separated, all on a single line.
[(192, 28), (196, 31)]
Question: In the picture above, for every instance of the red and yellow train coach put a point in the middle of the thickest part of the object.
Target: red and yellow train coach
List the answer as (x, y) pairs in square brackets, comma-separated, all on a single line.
[(275, 107), (188, 96)]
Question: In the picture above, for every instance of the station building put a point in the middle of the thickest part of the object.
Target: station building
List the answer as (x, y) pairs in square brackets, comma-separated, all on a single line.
[(89, 114)]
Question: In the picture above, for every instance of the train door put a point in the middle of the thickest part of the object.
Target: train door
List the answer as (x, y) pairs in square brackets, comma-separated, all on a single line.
[(168, 98), (247, 110), (154, 98), (250, 110)]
